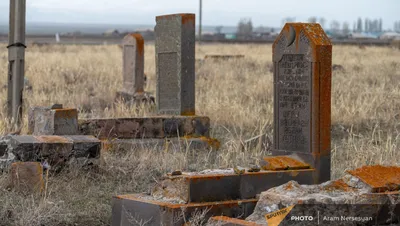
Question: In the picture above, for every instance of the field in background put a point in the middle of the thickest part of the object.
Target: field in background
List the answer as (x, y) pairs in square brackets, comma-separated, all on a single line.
[(237, 96)]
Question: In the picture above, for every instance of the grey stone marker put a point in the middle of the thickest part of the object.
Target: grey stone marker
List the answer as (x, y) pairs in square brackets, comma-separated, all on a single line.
[(302, 56), (133, 63), (175, 64), (16, 60)]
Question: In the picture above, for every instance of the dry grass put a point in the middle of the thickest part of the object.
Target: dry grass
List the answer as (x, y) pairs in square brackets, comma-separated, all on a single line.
[(237, 96)]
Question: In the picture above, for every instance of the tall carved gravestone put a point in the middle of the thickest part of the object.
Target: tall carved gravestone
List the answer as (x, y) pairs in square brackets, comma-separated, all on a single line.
[(133, 63), (302, 56), (175, 63)]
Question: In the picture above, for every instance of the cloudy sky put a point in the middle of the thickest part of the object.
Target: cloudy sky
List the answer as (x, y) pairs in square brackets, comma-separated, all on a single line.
[(216, 12)]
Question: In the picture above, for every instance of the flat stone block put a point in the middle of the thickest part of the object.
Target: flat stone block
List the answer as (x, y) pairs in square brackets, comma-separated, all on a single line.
[(146, 127), (25, 147), (283, 163), (169, 144), (227, 221), (56, 150), (85, 146), (47, 121), (130, 209), (27, 177), (225, 185), (379, 178)]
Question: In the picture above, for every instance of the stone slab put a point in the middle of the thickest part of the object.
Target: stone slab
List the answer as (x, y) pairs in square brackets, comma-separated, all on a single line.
[(85, 146), (168, 144), (146, 127), (48, 121), (283, 163), (27, 177), (347, 196), (25, 147), (228, 221), (379, 178), (175, 64), (302, 56), (130, 209), (217, 186), (133, 63), (56, 150)]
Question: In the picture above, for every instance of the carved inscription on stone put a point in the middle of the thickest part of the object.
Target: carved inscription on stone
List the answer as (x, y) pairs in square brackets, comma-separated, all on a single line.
[(169, 87), (294, 102)]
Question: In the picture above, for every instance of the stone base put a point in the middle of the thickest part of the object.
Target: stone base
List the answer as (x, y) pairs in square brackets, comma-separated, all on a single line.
[(169, 144), (225, 184), (352, 195), (146, 127), (134, 98), (227, 221), (138, 209), (55, 150)]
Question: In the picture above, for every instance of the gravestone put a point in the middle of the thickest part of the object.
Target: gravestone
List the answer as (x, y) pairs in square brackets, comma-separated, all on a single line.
[(175, 64), (302, 56), (133, 63)]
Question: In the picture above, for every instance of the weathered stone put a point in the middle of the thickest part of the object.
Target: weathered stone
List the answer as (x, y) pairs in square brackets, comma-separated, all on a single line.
[(87, 147), (46, 121), (27, 177), (31, 117), (169, 144), (348, 196), (127, 210), (221, 185), (56, 150), (25, 148), (147, 127), (302, 56), (175, 62), (379, 178), (133, 63)]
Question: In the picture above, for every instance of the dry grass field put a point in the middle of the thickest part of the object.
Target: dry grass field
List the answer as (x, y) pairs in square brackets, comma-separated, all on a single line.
[(237, 96)]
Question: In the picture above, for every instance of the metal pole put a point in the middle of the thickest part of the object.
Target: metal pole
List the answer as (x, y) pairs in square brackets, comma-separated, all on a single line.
[(200, 19), (16, 56)]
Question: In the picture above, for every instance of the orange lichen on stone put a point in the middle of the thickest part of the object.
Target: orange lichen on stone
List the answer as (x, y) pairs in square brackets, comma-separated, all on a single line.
[(53, 139), (27, 177), (273, 163), (379, 178), (139, 41), (186, 17), (283, 163), (66, 113), (234, 221), (289, 186), (191, 112), (338, 185)]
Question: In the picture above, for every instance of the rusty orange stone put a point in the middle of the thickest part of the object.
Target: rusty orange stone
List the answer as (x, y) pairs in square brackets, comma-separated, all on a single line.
[(186, 17), (66, 113), (283, 163), (27, 177), (379, 178)]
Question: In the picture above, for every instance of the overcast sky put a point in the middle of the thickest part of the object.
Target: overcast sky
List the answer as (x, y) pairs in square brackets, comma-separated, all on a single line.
[(215, 12)]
